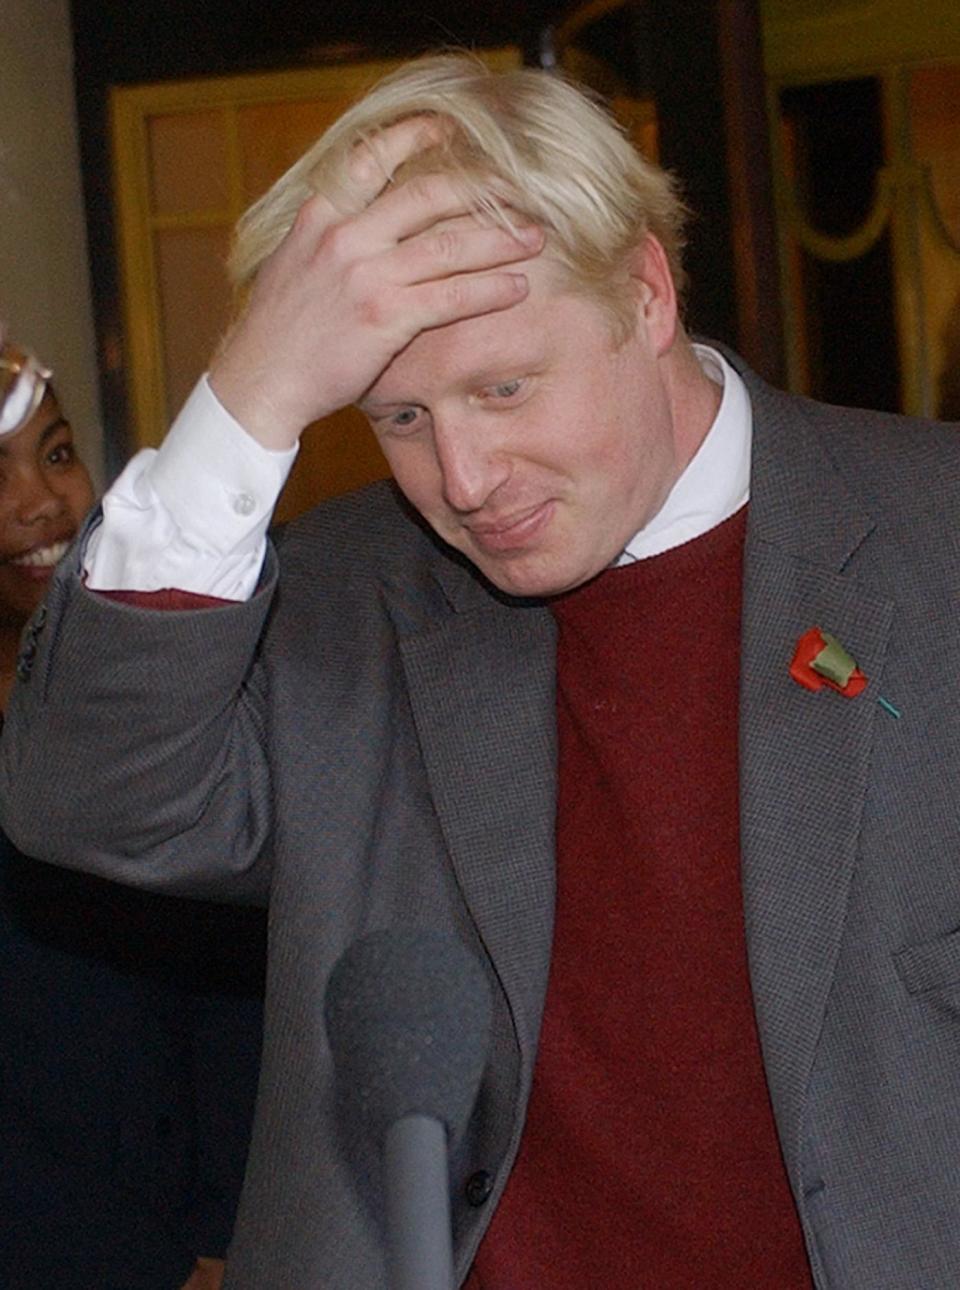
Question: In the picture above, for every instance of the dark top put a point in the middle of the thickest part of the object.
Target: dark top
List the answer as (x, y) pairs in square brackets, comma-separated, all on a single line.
[(130, 1029)]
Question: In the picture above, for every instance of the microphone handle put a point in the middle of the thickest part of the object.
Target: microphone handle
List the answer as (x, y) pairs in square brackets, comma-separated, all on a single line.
[(420, 1244)]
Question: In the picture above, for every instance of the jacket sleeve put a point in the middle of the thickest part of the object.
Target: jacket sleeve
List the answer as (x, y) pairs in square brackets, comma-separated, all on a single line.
[(134, 741)]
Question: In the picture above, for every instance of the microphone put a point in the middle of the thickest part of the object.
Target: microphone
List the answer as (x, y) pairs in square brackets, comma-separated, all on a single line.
[(408, 1018)]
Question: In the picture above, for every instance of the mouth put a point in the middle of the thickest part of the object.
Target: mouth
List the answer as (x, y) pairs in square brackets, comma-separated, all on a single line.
[(41, 560), (513, 533)]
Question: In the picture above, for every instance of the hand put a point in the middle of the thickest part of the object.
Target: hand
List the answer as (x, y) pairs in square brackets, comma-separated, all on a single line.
[(207, 1274), (342, 294)]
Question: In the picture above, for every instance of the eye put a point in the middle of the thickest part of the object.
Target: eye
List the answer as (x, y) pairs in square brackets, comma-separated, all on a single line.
[(503, 391), (64, 454), (507, 389), (405, 421)]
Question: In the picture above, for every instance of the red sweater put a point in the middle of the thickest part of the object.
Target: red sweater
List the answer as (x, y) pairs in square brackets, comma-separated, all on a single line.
[(650, 1156)]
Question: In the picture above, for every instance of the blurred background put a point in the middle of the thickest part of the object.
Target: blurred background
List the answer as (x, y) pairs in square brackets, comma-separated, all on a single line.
[(818, 142)]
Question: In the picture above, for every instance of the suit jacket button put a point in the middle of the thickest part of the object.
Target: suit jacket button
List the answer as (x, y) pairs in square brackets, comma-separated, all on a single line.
[(478, 1188)]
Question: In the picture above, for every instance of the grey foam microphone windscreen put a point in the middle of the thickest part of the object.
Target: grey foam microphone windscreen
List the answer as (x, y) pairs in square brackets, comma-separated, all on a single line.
[(408, 1018)]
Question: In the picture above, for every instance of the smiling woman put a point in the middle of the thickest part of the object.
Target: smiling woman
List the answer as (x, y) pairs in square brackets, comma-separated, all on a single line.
[(130, 1022), (45, 491)]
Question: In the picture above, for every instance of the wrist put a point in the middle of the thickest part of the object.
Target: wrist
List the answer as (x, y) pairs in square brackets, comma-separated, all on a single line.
[(246, 394)]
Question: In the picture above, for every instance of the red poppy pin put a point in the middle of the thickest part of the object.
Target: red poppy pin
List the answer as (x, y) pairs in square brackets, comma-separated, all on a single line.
[(820, 660)]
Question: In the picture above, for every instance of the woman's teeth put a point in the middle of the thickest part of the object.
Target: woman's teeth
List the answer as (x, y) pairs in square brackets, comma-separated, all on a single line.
[(44, 557)]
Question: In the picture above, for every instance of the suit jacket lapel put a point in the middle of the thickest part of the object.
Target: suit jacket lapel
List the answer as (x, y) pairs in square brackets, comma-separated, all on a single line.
[(481, 686), (804, 756)]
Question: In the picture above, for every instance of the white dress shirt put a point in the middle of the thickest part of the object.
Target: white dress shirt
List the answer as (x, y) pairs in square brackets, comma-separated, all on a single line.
[(716, 483)]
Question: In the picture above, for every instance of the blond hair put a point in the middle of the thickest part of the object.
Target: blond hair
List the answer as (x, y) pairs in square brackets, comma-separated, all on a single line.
[(526, 141)]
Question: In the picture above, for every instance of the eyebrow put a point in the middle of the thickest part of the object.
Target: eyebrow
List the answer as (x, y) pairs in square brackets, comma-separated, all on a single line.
[(384, 405), (49, 431)]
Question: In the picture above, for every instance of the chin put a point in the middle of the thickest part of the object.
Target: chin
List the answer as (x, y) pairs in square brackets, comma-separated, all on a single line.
[(531, 582)]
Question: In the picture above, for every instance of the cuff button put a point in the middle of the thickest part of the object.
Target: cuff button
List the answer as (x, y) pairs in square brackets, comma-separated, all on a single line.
[(244, 504)]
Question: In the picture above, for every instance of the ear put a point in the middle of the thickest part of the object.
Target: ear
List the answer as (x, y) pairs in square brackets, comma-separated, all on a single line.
[(656, 295)]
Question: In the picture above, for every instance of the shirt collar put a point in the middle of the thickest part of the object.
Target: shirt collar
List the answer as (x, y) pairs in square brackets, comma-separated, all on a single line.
[(716, 483)]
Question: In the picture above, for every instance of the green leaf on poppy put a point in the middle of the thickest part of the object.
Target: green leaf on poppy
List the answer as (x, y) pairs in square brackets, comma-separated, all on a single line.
[(834, 662)]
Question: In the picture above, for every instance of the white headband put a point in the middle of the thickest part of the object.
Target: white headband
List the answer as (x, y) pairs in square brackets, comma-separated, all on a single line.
[(23, 383)]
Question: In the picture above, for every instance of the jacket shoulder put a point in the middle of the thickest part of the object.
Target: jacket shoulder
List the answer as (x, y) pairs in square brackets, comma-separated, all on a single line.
[(889, 462), (904, 468)]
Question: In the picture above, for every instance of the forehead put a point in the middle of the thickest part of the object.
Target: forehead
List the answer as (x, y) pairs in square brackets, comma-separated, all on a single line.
[(44, 423), (492, 346)]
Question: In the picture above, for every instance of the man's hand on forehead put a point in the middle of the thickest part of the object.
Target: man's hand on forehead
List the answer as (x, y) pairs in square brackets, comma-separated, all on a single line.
[(344, 293)]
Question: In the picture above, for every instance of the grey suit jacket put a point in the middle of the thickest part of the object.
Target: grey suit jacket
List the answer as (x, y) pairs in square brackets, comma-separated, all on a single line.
[(370, 741)]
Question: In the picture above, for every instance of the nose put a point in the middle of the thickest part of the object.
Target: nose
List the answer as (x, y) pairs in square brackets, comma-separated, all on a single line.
[(37, 501), (472, 467)]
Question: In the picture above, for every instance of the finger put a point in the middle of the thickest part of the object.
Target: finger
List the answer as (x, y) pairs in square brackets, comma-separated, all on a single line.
[(294, 253), (365, 187), (461, 246), (374, 160), (434, 304), (411, 208)]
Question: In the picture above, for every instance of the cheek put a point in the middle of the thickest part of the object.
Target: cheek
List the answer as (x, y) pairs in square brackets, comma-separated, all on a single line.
[(414, 469), (11, 539), (78, 496), (7, 528), (601, 455)]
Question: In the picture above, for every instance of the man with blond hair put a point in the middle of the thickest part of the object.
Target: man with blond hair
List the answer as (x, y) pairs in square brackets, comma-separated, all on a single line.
[(637, 678)]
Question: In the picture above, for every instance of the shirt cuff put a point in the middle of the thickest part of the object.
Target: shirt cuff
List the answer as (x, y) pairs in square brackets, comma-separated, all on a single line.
[(192, 515)]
